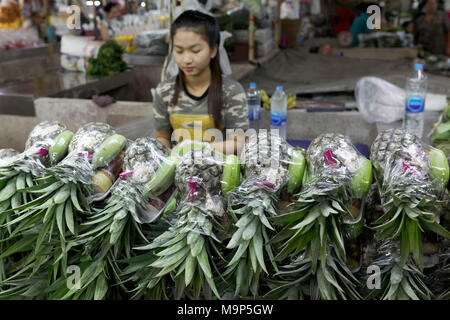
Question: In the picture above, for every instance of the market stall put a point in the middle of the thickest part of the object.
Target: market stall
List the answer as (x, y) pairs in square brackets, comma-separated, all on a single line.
[(345, 196)]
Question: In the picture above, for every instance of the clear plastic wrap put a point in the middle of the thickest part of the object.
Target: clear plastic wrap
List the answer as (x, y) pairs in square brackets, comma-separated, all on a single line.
[(265, 161), (35, 156), (76, 166), (142, 160), (411, 178), (7, 156), (200, 206), (406, 167), (332, 164)]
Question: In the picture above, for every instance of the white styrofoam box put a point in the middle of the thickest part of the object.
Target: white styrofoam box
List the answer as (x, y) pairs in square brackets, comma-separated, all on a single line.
[(261, 35)]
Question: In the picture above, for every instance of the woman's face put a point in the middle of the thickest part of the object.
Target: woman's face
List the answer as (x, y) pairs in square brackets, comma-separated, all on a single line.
[(191, 52), (431, 6), (113, 13)]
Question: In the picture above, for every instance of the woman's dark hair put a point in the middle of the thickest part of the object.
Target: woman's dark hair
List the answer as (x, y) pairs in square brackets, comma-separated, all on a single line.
[(109, 6), (208, 27)]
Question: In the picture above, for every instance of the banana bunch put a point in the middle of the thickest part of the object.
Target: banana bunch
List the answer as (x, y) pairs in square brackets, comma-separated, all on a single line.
[(292, 100), (265, 100)]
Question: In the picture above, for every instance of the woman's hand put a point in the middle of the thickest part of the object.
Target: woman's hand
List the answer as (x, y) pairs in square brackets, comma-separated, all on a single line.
[(164, 137)]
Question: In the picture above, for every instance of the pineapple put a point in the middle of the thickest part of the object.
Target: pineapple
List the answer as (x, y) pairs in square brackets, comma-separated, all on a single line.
[(20, 172), (316, 229), (266, 162), (7, 156), (411, 178), (111, 231), (61, 193), (187, 249)]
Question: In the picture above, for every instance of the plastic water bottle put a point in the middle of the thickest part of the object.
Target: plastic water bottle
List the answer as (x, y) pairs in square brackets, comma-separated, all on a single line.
[(254, 106), (416, 89), (278, 111)]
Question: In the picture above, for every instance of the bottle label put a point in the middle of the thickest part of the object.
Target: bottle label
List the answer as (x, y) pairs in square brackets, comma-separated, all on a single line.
[(277, 119), (256, 114), (415, 104), (250, 114)]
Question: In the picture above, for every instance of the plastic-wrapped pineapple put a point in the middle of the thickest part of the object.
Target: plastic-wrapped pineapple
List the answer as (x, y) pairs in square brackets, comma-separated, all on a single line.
[(110, 233), (270, 167), (21, 169), (411, 178), (183, 255), (314, 232), (63, 192)]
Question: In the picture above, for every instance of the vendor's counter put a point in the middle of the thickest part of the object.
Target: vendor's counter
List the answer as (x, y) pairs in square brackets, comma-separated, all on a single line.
[(17, 98), (135, 119), (23, 53)]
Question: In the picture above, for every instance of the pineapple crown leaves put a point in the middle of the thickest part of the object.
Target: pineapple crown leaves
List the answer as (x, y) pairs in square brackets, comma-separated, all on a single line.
[(186, 250), (250, 206), (330, 281), (127, 196), (28, 162), (408, 200), (75, 168), (398, 281)]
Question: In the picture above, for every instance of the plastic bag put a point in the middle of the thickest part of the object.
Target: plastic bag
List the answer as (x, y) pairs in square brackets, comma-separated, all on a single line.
[(381, 101), (290, 9), (20, 38), (146, 39), (7, 156)]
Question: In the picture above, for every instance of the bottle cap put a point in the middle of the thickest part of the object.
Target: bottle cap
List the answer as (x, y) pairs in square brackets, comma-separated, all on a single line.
[(252, 84), (280, 88), (418, 66)]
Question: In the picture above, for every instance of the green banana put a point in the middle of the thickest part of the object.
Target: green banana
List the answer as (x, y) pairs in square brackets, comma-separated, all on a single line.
[(61, 146), (362, 180), (172, 204), (163, 178), (165, 174), (439, 171), (231, 176), (296, 171), (108, 150)]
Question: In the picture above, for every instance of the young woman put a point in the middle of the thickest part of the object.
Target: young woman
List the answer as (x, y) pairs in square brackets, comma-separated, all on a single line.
[(199, 97), (112, 11)]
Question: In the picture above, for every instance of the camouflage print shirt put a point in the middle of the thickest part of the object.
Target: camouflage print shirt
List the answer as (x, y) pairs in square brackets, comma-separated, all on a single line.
[(169, 117)]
